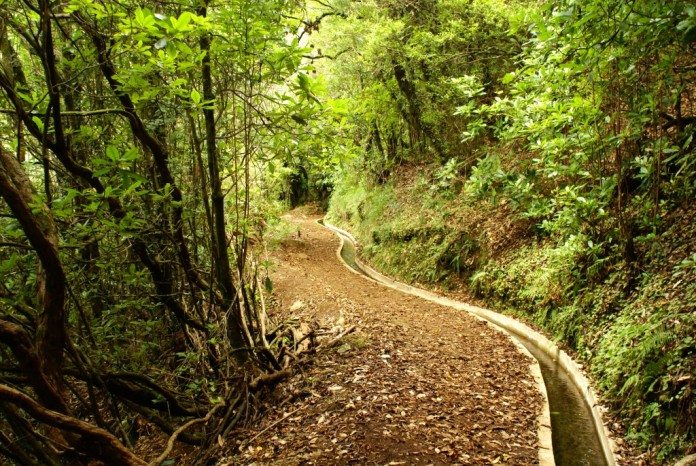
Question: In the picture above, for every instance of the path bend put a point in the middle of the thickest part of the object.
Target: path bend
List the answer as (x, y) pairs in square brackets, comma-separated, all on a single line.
[(418, 383)]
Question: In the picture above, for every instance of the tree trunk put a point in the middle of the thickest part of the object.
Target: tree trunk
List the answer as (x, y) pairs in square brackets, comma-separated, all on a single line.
[(223, 272), (417, 127), (40, 230)]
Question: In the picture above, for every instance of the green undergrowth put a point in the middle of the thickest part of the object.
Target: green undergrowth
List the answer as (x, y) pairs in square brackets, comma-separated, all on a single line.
[(635, 330), (406, 233)]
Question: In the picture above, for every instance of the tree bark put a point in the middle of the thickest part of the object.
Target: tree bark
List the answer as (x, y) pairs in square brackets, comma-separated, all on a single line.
[(223, 271), (40, 230), (91, 440), (413, 113)]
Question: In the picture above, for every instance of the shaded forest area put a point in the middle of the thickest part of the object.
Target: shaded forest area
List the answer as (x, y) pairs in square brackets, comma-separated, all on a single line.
[(539, 157), (142, 151)]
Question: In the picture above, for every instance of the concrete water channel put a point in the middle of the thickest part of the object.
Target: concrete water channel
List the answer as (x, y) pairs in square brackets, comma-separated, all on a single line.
[(578, 436)]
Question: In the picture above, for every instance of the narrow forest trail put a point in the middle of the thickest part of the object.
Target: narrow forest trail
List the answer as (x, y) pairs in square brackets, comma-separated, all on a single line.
[(417, 383)]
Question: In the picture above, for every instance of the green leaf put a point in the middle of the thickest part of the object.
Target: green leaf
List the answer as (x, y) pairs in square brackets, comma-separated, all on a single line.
[(112, 153), (268, 285), (184, 20), (132, 187), (195, 97), (38, 122), (131, 155)]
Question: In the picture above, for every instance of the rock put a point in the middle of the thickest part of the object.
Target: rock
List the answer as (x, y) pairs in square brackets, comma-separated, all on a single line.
[(296, 306)]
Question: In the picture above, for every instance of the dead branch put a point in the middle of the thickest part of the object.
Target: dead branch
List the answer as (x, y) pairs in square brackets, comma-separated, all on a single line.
[(177, 432), (94, 442), (336, 340), (269, 379)]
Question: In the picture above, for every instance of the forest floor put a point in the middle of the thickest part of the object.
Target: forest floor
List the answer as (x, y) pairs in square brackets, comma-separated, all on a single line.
[(415, 383)]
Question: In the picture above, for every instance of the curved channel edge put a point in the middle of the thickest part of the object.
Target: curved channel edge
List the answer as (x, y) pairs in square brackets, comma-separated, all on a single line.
[(514, 328)]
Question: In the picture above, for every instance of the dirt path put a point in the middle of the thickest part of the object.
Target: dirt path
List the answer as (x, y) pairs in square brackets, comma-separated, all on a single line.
[(417, 383)]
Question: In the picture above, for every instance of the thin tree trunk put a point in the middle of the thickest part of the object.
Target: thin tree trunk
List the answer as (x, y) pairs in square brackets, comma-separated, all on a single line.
[(223, 271)]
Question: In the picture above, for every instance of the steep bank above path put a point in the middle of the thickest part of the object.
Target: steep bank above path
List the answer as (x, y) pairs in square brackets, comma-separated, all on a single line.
[(636, 336), (416, 383)]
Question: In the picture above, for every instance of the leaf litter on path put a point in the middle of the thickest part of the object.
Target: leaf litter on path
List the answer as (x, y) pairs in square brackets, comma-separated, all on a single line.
[(416, 383)]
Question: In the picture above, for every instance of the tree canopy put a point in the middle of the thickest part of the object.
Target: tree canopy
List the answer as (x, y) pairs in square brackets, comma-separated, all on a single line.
[(146, 149)]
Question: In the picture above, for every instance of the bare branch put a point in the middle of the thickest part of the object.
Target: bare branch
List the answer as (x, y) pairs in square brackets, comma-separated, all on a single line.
[(170, 443), (92, 440)]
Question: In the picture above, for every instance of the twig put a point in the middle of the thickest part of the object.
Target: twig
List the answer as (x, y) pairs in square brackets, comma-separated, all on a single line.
[(309, 334), (262, 315), (170, 443), (285, 416), (333, 342)]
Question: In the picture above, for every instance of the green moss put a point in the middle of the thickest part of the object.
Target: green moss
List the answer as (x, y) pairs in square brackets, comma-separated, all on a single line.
[(416, 242)]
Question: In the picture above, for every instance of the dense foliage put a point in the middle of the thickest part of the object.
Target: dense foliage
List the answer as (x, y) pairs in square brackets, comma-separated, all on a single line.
[(546, 154), (141, 152), (541, 154)]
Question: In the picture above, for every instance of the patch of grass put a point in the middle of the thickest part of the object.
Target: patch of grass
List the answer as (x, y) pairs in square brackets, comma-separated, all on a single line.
[(357, 340), (646, 361)]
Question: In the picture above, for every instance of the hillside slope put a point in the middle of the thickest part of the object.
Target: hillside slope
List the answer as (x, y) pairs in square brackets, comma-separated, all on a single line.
[(541, 156), (636, 335)]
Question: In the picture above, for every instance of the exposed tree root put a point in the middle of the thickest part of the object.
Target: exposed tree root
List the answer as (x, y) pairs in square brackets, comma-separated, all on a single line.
[(92, 441)]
